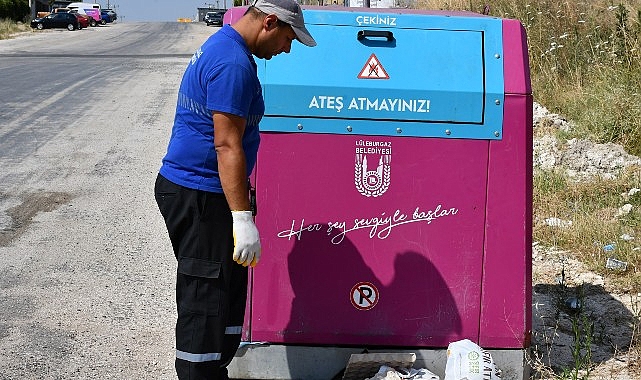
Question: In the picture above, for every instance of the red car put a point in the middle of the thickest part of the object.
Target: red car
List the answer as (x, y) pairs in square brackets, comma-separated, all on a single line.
[(83, 20)]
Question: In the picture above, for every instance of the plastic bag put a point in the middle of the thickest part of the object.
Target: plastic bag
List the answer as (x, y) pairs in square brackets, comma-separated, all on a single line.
[(467, 361), (388, 373)]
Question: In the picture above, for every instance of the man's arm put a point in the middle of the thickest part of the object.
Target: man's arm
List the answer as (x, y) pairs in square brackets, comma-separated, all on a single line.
[(232, 166), (232, 169)]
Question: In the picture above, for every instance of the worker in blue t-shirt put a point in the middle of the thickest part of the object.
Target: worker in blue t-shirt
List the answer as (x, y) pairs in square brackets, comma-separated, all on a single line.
[(202, 187)]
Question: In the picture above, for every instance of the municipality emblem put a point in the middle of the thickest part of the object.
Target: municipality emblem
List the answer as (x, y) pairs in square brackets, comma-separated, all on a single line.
[(372, 183)]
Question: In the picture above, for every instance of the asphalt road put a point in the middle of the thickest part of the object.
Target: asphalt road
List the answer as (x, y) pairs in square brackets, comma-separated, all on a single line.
[(86, 270)]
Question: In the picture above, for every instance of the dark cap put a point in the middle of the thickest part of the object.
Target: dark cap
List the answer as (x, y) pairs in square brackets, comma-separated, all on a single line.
[(287, 11)]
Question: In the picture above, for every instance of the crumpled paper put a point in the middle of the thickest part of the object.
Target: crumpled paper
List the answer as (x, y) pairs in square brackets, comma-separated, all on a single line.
[(388, 373)]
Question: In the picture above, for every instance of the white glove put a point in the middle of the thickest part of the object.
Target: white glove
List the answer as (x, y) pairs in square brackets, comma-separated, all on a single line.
[(246, 240)]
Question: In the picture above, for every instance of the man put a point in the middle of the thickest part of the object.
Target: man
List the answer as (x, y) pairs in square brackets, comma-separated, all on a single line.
[(202, 186)]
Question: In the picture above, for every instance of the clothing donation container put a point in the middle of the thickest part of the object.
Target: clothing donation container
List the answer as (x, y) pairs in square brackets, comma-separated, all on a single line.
[(394, 186)]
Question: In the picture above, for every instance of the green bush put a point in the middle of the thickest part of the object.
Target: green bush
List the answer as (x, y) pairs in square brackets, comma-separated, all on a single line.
[(15, 10)]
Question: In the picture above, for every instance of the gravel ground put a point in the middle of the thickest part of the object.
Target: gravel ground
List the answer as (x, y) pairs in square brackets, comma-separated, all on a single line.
[(91, 276), (86, 269)]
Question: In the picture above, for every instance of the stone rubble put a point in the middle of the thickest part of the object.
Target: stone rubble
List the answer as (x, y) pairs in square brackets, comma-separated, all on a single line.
[(558, 279)]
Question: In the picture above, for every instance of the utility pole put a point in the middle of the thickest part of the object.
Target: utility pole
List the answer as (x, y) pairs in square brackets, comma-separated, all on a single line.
[(32, 5)]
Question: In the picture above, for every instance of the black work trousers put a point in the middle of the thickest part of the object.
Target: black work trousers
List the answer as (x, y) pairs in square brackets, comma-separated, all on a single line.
[(211, 289)]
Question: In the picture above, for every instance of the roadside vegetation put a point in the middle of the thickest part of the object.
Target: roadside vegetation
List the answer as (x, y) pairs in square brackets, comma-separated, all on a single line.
[(14, 17), (14, 10), (585, 62), (9, 28)]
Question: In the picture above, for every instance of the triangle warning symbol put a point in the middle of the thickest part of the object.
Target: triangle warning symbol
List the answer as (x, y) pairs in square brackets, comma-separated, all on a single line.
[(373, 69)]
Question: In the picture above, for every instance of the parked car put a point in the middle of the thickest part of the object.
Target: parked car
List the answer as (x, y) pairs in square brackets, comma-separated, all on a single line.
[(90, 20), (112, 13), (105, 17), (83, 20), (56, 20), (214, 18)]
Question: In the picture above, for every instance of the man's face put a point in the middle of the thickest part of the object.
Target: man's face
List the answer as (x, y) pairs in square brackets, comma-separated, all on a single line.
[(277, 38)]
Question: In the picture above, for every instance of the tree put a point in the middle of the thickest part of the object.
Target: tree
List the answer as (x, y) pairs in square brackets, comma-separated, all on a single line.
[(15, 10)]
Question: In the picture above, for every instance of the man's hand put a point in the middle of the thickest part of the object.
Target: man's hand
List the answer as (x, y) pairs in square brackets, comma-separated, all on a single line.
[(246, 240)]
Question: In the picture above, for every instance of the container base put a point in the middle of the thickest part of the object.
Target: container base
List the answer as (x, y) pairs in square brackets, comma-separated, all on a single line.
[(287, 362)]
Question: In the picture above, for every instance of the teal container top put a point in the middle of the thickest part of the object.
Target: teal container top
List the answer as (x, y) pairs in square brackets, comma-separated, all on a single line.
[(389, 72)]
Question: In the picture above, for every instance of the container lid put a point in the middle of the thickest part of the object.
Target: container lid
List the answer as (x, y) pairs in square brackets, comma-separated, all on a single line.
[(389, 72)]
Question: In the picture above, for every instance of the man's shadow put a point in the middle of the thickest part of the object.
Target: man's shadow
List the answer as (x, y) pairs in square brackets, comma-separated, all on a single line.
[(329, 309)]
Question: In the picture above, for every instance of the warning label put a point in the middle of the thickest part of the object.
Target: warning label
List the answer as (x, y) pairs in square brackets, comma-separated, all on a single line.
[(364, 295), (373, 69)]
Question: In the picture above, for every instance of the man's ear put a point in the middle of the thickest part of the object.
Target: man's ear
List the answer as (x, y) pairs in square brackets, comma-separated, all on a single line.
[(270, 22)]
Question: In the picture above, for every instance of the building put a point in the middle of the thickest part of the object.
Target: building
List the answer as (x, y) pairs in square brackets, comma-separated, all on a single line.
[(38, 6), (45, 6)]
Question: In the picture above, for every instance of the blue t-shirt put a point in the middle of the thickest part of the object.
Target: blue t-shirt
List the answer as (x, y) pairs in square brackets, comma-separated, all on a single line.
[(221, 76)]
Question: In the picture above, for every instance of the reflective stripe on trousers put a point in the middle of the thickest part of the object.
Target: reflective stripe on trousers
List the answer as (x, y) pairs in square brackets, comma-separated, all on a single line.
[(197, 358), (208, 357)]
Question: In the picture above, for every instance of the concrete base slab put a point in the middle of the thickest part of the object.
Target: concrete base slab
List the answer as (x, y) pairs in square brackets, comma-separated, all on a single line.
[(284, 362)]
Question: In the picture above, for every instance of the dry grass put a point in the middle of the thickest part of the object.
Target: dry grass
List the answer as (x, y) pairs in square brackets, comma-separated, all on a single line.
[(9, 28), (600, 227), (585, 59)]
